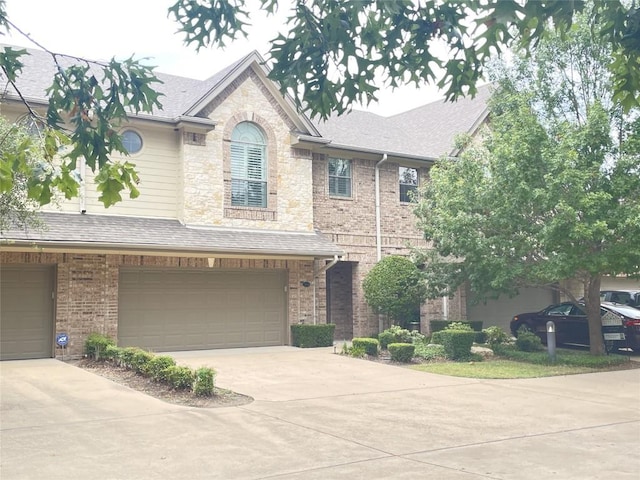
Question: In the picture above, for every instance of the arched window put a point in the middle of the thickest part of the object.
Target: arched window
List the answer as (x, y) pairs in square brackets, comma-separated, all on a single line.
[(248, 166)]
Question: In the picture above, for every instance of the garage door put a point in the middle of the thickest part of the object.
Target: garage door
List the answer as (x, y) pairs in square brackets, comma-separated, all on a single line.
[(499, 312), (164, 310), (26, 312)]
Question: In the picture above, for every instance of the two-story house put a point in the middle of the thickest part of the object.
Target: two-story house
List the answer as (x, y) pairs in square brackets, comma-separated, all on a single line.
[(250, 218)]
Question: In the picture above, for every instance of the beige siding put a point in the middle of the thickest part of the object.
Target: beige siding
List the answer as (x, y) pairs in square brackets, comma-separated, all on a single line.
[(158, 167)]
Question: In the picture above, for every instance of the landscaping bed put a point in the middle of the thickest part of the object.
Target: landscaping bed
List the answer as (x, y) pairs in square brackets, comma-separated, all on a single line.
[(135, 381)]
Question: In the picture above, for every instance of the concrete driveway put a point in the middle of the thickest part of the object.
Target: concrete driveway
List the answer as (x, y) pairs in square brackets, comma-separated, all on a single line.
[(317, 415)]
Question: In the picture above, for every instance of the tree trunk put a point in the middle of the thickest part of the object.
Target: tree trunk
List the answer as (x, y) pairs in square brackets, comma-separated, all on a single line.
[(592, 306)]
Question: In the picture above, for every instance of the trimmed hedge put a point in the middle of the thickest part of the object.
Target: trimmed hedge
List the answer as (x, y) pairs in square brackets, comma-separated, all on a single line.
[(157, 366), (457, 343), (180, 378), (476, 326), (203, 386), (370, 345), (401, 352), (96, 344), (309, 336), (394, 334), (438, 325)]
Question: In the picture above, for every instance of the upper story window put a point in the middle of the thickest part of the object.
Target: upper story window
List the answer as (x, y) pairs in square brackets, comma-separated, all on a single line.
[(408, 184), (131, 141), (340, 177), (248, 166)]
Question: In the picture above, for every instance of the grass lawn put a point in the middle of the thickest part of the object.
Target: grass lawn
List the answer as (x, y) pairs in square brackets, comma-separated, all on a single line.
[(529, 365)]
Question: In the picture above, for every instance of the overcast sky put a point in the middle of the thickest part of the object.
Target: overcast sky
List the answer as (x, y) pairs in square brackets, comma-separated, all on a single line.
[(99, 29)]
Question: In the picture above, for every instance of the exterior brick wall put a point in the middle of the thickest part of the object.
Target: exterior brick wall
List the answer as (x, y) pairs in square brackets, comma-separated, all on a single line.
[(87, 288), (351, 224)]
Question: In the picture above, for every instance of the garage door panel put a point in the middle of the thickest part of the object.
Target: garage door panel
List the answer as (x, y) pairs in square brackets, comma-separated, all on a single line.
[(175, 309), (26, 311)]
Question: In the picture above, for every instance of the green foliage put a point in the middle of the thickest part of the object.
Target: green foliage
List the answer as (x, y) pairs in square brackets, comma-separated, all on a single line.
[(19, 161), (401, 352), (527, 341), (575, 358), (309, 336), (394, 287), (496, 336), (556, 176), (334, 52), (394, 334), (370, 345), (356, 351), (428, 352), (96, 345), (126, 356), (180, 377), (457, 343), (437, 325), (140, 360), (112, 352), (156, 368), (204, 381)]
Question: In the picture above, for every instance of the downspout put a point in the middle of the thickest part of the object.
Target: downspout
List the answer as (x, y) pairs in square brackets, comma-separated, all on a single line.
[(83, 185), (320, 271), (378, 223)]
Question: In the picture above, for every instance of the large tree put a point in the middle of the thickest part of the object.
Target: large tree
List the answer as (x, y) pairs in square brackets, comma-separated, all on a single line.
[(334, 54), (552, 193)]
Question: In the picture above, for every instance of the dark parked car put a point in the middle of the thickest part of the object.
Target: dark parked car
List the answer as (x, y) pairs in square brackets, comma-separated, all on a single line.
[(572, 328)]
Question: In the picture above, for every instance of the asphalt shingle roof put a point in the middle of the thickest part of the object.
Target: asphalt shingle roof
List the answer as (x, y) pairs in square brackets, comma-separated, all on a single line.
[(133, 233), (426, 131)]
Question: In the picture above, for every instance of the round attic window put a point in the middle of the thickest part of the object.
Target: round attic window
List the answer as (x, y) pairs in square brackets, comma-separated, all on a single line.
[(131, 141)]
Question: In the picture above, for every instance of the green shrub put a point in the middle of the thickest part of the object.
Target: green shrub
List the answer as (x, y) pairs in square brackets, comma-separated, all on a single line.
[(96, 344), (457, 343), (112, 353), (395, 334), (437, 337), (495, 336), (179, 377), (527, 341), (126, 356), (356, 351), (425, 351), (156, 368), (401, 352), (140, 360), (395, 287), (370, 345), (204, 381), (438, 325), (308, 336)]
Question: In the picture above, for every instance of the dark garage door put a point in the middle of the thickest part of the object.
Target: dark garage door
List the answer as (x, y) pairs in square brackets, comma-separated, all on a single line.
[(26, 312), (171, 309)]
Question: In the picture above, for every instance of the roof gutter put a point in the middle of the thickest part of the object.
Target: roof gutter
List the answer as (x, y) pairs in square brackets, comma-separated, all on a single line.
[(145, 249)]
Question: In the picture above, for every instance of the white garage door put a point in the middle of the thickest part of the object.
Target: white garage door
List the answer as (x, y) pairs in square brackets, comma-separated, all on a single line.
[(26, 312), (170, 309), (499, 312)]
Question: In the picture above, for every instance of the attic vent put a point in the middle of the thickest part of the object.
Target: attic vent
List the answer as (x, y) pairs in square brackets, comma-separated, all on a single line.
[(191, 138)]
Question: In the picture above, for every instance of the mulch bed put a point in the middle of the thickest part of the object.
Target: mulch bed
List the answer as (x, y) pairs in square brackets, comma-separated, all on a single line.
[(220, 398)]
